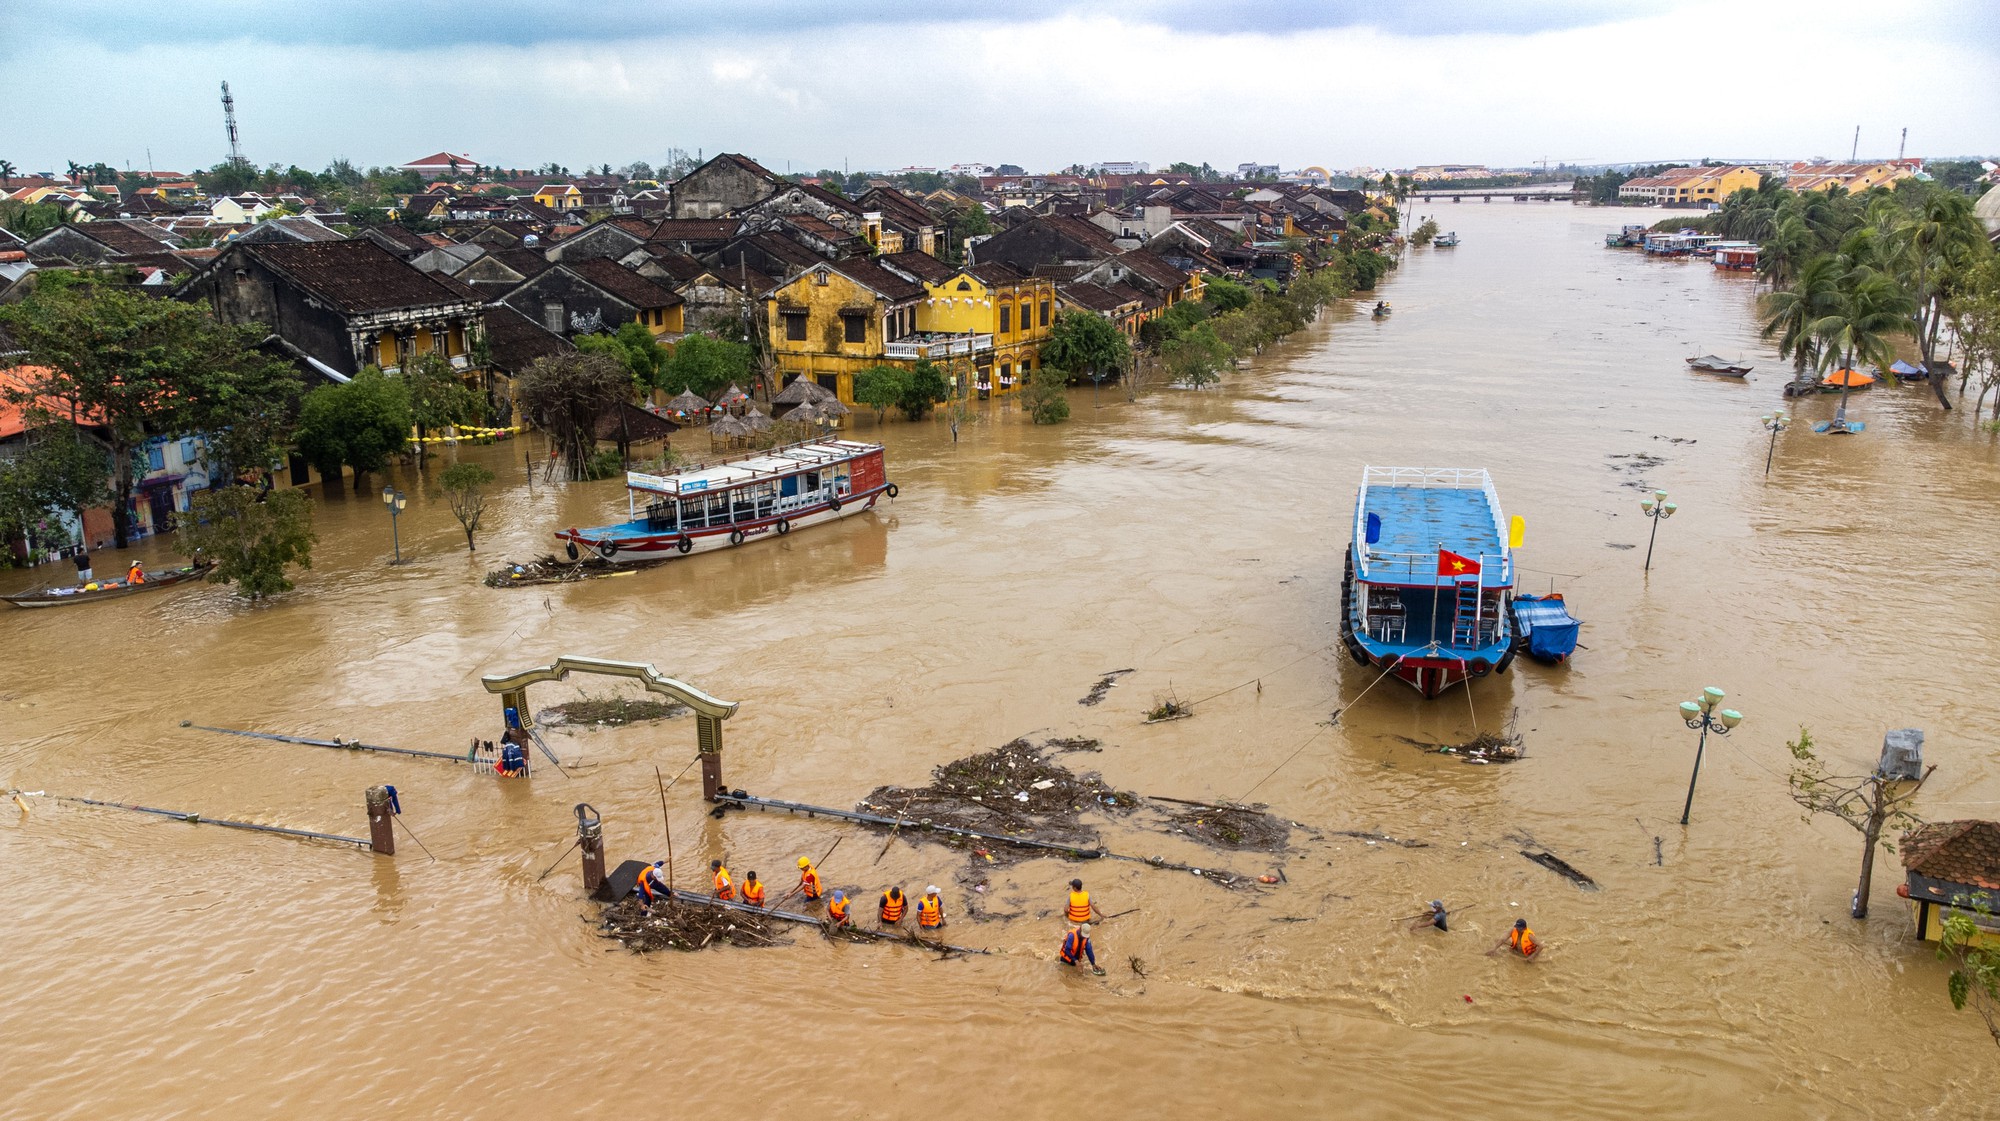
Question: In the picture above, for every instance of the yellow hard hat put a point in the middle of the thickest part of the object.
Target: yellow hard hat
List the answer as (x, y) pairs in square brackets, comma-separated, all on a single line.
[(805, 862)]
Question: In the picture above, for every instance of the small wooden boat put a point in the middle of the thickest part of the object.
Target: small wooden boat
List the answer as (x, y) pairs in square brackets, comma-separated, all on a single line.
[(1547, 629), (1446, 241), (1904, 371), (1710, 364), (1382, 310), (1839, 380), (64, 597)]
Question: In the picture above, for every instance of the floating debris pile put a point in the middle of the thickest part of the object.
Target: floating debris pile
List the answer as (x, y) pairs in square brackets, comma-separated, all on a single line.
[(1243, 828), (1104, 685), (1013, 789), (552, 569), (610, 712), (673, 925)]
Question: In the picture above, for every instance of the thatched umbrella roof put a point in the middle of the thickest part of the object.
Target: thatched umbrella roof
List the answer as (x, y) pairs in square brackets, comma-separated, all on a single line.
[(755, 419), (808, 413), (687, 402), (831, 407), (731, 398), (727, 427), (802, 391), (637, 425)]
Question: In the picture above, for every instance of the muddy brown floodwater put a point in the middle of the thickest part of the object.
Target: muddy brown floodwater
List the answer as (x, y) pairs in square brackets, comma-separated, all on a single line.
[(158, 969)]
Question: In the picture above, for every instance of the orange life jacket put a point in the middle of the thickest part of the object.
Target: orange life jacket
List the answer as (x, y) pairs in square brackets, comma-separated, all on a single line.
[(722, 888), (136, 575), (753, 893), (1524, 941), (809, 884), (837, 910), (892, 909), (650, 882), (1079, 906), (1072, 947), (930, 911)]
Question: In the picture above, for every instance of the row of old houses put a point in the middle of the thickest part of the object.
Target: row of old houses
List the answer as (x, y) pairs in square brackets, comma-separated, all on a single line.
[(826, 286)]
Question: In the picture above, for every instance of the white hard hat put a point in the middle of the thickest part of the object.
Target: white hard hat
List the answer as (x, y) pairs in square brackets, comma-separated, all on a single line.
[(931, 890)]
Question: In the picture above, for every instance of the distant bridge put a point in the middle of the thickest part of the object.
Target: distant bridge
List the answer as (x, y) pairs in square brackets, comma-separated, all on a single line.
[(1538, 192)]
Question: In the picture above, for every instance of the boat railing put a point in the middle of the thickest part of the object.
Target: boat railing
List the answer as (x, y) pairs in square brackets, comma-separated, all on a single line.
[(846, 450), (1496, 570)]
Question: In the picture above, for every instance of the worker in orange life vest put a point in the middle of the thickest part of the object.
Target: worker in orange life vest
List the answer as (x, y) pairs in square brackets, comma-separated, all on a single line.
[(893, 903), (753, 890), (1076, 948), (930, 909), (652, 885), (723, 889), (836, 911), (1080, 908), (1521, 940), (808, 879), (136, 574)]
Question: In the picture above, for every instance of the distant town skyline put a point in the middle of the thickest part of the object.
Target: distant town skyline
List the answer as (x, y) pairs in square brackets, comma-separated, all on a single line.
[(802, 86)]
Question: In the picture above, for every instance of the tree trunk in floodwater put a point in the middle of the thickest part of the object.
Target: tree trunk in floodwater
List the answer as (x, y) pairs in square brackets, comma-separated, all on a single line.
[(1871, 835)]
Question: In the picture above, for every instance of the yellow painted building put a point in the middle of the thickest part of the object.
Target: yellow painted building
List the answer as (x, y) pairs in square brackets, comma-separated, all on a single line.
[(837, 319), (993, 302), (559, 196)]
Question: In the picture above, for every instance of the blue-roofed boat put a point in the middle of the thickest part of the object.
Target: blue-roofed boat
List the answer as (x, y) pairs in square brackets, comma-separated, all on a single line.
[(1548, 631), (765, 493), (1428, 577)]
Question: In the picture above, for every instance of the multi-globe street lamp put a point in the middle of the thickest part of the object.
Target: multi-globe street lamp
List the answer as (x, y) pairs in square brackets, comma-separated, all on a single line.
[(1702, 715), (394, 500), (1656, 507), (1776, 422)]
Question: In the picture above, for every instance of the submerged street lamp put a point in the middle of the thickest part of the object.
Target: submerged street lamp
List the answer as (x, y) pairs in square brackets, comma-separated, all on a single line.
[(1776, 422), (1657, 508), (1702, 715), (394, 500)]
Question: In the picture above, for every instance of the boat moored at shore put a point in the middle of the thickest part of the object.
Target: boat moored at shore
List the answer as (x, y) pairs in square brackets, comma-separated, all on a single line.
[(766, 493), (1428, 576)]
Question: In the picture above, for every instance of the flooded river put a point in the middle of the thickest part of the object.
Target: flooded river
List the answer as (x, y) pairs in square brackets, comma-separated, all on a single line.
[(158, 969)]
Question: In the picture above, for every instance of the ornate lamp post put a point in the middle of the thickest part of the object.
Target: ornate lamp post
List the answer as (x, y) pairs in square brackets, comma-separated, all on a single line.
[(394, 500), (1702, 715), (1776, 422), (1657, 508)]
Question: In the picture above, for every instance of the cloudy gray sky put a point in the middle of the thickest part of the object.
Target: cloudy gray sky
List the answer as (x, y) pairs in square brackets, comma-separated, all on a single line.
[(1042, 83)]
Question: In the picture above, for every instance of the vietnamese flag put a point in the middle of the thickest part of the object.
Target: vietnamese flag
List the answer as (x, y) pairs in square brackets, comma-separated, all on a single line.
[(1451, 564)]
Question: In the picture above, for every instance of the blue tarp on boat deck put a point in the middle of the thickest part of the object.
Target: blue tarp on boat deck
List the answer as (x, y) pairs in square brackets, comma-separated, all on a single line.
[(1548, 627)]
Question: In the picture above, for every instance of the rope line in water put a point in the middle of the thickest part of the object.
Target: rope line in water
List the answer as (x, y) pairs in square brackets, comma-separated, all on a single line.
[(1288, 665), (1322, 730)]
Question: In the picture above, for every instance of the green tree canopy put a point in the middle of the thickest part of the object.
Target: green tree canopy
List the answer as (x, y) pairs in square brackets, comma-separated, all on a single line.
[(923, 388), (142, 367), (880, 388), (1198, 357), (252, 536), (1085, 345), (706, 365), (358, 425), (1044, 397), (636, 347), (439, 398), (464, 485)]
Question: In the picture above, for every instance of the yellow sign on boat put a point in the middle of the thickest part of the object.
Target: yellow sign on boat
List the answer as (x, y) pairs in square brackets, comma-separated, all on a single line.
[(1517, 531)]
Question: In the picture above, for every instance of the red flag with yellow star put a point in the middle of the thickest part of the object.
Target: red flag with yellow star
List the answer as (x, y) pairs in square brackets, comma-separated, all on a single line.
[(1451, 564)]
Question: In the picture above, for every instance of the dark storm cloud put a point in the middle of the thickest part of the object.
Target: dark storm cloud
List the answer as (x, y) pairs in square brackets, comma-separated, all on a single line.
[(121, 24)]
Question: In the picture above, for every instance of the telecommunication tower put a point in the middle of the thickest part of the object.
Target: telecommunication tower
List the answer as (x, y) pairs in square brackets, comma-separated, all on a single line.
[(229, 119)]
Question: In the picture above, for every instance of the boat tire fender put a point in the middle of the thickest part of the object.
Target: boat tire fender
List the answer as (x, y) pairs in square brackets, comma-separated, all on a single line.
[(685, 545), (736, 537), (892, 490), (784, 527), (607, 550), (1480, 667), (570, 548), (833, 502), (1506, 659)]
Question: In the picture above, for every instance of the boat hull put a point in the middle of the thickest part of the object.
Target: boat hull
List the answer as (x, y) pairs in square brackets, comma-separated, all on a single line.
[(618, 545), (153, 583)]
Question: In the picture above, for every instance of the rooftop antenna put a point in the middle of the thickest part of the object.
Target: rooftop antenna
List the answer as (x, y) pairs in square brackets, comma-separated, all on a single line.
[(1902, 144), (229, 119), (1856, 153)]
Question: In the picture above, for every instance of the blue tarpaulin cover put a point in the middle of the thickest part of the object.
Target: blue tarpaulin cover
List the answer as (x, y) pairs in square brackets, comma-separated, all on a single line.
[(1548, 626)]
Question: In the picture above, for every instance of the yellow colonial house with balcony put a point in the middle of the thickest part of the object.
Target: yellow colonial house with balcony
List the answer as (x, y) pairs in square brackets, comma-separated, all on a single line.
[(560, 196), (838, 318), (995, 302)]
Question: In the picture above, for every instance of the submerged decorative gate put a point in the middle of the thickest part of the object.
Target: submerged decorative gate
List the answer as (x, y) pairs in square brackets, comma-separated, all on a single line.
[(709, 712)]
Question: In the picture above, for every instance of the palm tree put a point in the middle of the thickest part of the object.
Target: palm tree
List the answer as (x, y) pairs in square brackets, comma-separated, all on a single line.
[(1941, 234), (1789, 246), (1789, 313), (7, 170), (1868, 308)]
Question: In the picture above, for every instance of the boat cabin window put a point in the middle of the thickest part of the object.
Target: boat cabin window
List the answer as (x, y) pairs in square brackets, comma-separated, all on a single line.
[(812, 480), (663, 515)]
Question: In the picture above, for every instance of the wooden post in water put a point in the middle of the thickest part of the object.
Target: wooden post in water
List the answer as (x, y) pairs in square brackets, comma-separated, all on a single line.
[(590, 838), (708, 739), (381, 821)]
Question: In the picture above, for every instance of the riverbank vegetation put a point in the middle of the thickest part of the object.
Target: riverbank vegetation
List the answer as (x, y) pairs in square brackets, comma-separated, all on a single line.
[(1853, 274)]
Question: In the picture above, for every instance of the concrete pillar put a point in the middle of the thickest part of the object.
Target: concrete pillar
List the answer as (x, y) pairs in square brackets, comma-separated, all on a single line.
[(590, 839), (381, 822), (708, 739)]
